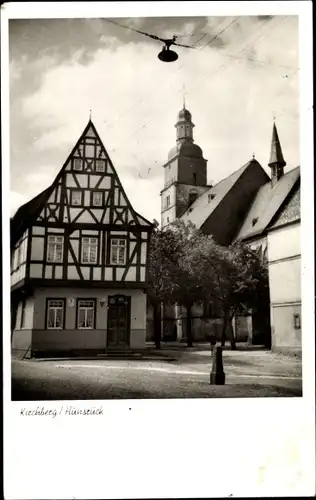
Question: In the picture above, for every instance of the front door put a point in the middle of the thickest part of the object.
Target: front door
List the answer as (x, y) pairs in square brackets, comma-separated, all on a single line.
[(118, 321)]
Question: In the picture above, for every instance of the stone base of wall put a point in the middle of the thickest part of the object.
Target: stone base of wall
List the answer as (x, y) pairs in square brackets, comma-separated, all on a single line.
[(21, 353), (288, 351)]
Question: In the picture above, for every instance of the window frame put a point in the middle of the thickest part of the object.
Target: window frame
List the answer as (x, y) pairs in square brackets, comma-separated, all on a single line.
[(76, 190), (62, 250), (73, 164), (95, 191), (78, 308), (22, 319), (122, 238), (89, 237), (63, 301), (104, 166), (168, 201)]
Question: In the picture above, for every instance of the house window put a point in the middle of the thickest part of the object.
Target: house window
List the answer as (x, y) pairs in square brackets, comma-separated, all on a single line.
[(77, 164), (85, 318), (22, 325), (118, 251), (97, 198), (18, 255), (192, 197), (55, 314), (194, 179), (297, 321), (167, 201), (168, 220), (89, 250), (55, 248), (211, 197), (100, 166), (76, 197)]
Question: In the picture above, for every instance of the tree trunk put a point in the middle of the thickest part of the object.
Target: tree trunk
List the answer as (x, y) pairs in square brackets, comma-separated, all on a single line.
[(227, 323), (223, 336), (232, 338), (157, 324), (189, 327)]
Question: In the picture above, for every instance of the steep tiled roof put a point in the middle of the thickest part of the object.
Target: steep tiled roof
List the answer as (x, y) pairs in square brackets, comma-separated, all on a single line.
[(205, 204), (266, 204)]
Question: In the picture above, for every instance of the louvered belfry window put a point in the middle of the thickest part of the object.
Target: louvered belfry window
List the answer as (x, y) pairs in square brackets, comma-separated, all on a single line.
[(118, 251), (55, 248), (89, 250)]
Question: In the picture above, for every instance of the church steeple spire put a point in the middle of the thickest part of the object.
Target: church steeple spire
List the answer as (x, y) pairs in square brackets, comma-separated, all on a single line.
[(184, 125), (276, 162)]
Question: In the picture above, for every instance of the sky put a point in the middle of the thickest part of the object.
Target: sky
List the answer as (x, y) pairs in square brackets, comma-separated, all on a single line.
[(243, 71)]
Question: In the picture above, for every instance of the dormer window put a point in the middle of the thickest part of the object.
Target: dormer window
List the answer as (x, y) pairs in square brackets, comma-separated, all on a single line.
[(211, 197), (77, 164), (254, 221), (192, 197)]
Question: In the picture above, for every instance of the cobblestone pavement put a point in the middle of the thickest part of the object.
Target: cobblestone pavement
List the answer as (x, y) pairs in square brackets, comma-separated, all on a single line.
[(182, 374)]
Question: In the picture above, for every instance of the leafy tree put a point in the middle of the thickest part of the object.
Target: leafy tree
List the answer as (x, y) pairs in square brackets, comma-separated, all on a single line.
[(235, 276), (189, 267), (169, 280)]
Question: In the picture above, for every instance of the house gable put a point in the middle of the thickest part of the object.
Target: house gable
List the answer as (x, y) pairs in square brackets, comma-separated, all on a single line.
[(87, 190)]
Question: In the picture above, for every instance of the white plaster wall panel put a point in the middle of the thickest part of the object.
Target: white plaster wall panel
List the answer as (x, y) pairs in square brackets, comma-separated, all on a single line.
[(38, 230), (36, 270), (85, 272), (37, 248), (284, 242), (58, 272), (131, 274), (108, 273), (73, 273), (285, 281)]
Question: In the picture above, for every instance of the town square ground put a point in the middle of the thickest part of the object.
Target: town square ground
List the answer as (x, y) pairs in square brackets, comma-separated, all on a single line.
[(173, 372)]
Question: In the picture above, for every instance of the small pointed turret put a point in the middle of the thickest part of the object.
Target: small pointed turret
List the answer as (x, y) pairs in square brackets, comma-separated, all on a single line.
[(276, 162)]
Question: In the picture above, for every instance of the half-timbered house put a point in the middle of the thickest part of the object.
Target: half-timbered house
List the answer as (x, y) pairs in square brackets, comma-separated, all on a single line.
[(79, 260)]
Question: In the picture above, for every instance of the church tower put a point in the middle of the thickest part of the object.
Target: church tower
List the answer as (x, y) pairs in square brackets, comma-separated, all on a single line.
[(185, 172), (276, 162)]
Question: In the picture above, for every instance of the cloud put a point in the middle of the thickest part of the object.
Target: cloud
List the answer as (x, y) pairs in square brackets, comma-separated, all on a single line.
[(135, 98)]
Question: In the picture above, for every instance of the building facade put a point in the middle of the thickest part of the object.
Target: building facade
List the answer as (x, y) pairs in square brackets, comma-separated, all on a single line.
[(79, 261), (284, 259)]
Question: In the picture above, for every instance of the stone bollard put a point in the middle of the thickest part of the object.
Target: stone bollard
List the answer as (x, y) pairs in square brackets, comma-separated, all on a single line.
[(217, 375)]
